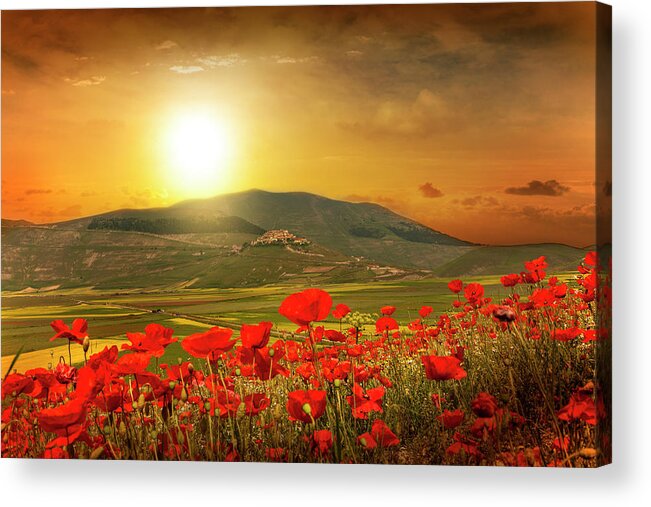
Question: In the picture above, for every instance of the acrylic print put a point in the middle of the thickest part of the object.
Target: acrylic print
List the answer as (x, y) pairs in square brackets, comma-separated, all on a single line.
[(308, 234)]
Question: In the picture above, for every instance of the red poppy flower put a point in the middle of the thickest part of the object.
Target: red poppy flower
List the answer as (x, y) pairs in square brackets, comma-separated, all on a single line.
[(452, 419), (65, 374), (387, 310), (334, 335), (542, 297), (484, 405), (255, 336), (383, 435), (255, 403), (537, 267), (455, 286), (473, 292), (58, 419), (303, 308), (363, 403), (443, 368), (16, 384), (107, 355), (425, 311), (464, 444), (385, 324), (266, 361), (340, 311), (367, 441), (566, 335), (153, 341), (321, 442), (306, 406), (76, 333), (510, 280), (213, 342), (130, 364), (581, 406)]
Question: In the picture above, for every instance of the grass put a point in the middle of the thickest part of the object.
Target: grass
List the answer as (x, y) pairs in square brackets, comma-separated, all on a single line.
[(26, 319)]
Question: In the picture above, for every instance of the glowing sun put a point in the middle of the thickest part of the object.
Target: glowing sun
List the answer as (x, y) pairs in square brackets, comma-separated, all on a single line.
[(199, 146)]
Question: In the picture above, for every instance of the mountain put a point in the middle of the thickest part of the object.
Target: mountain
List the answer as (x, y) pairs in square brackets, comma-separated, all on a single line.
[(363, 230), (212, 243)]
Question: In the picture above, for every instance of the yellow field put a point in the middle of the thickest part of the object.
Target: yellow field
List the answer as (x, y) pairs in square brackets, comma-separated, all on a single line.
[(43, 358)]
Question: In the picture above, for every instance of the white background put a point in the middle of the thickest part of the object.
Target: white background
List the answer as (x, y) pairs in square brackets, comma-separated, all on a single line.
[(626, 482)]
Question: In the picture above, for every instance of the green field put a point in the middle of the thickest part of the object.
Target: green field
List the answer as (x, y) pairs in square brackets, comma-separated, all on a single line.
[(26, 317)]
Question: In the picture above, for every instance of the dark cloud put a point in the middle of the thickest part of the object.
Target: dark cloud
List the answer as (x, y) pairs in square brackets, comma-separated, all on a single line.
[(427, 190), (550, 188)]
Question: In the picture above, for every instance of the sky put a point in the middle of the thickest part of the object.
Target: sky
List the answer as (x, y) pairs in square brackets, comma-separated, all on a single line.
[(476, 120)]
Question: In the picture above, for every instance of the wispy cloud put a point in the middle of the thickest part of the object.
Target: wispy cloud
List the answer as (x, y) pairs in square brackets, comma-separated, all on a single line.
[(221, 61), (91, 81), (166, 44), (186, 69)]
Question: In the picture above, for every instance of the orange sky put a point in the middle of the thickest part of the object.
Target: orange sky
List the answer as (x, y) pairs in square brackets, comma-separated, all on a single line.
[(477, 120)]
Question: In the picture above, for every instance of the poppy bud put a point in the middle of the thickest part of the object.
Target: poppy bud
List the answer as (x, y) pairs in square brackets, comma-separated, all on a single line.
[(362, 441), (106, 429), (86, 344), (184, 395), (172, 384), (141, 400), (206, 405), (179, 360), (272, 352), (238, 372), (307, 408), (134, 405), (337, 382), (190, 368), (122, 428)]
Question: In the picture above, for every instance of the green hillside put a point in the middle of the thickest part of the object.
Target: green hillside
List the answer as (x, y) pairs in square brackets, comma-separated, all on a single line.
[(489, 260), (354, 229), (39, 257)]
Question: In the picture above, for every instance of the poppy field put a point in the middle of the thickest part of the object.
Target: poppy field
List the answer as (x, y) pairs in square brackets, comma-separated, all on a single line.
[(512, 381)]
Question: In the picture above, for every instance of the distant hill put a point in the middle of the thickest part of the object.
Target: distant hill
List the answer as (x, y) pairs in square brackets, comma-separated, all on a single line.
[(212, 243), (354, 229), (45, 257), (15, 223), (490, 260)]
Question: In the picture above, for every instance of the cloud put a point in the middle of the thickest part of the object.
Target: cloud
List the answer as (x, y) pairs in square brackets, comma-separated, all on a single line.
[(91, 81), (550, 188), (34, 191), (221, 61), (186, 69), (477, 200), (291, 60), (427, 190), (166, 44)]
